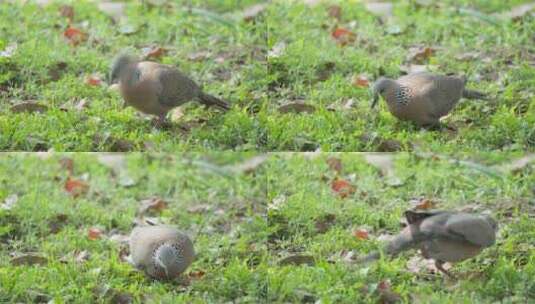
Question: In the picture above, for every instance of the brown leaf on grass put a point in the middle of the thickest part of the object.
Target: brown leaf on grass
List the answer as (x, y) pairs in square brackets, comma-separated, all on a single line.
[(335, 164), (115, 10), (519, 11), (77, 256), (324, 222), (67, 11), (360, 81), (386, 294), (277, 50), (9, 202), (199, 208), (384, 162), (361, 234), (422, 204), (251, 12), (420, 55), (74, 36), (297, 260), (297, 107), (249, 165), (93, 80), (152, 204), (199, 55), (342, 187), (380, 9), (94, 233), (196, 275), (153, 52), (335, 11), (29, 107), (518, 165), (418, 265), (57, 222), (56, 70), (343, 36), (67, 163), (29, 259), (75, 187)]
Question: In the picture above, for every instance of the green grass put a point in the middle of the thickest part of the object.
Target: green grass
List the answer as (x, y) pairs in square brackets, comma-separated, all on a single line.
[(301, 188), (255, 219), (256, 86), (504, 69), (230, 246), (28, 75)]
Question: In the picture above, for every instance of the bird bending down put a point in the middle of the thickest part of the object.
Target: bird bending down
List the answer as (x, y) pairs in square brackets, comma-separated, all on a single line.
[(162, 252), (442, 235), (422, 98), (154, 88)]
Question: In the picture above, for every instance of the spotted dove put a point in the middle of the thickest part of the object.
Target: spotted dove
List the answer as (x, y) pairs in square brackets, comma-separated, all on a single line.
[(154, 88), (422, 97), (443, 236), (162, 252)]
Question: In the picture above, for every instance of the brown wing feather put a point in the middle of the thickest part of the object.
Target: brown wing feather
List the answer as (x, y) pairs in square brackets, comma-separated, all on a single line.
[(176, 88)]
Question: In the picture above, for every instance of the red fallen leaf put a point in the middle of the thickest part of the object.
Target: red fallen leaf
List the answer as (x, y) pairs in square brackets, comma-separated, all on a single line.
[(342, 187), (93, 80), (361, 234), (154, 53), (360, 81), (94, 233), (74, 36), (343, 36), (75, 187)]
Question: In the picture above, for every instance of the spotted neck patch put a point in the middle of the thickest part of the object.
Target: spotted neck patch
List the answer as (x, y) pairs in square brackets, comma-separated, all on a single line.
[(402, 95)]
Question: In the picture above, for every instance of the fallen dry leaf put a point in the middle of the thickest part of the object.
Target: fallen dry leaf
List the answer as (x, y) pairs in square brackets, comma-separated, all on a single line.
[(29, 259), (360, 81), (9, 202), (361, 234), (420, 55), (418, 265), (335, 11), (93, 80), (74, 36), (67, 11), (153, 52), (343, 36), (251, 12), (196, 275), (324, 222), (28, 107), (152, 204), (422, 204), (297, 260), (335, 164), (57, 222), (517, 12), (75, 187), (381, 9), (386, 294), (94, 233), (199, 55), (297, 107), (9, 50), (115, 10), (342, 187), (277, 50)]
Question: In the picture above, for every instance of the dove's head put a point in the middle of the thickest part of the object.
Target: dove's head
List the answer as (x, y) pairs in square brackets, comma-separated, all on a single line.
[(379, 88), (119, 65)]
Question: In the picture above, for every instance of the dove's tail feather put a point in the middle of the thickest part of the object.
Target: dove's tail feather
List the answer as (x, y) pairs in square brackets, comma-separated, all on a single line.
[(213, 101), (471, 94)]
